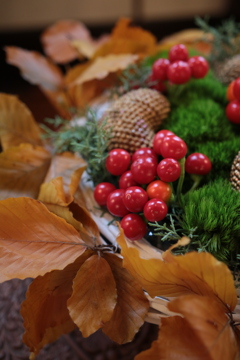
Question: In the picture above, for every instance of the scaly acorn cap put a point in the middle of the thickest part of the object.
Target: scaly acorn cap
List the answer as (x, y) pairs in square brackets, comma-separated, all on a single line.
[(134, 118), (235, 173), (228, 70)]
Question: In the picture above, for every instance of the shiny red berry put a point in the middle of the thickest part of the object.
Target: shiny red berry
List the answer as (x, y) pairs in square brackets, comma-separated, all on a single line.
[(158, 138), (199, 66), (236, 88), (115, 203), (169, 170), (135, 198), (126, 180), (173, 147), (144, 170), (145, 151), (134, 226), (198, 164), (118, 161), (102, 191), (159, 69), (178, 52), (155, 210), (233, 111), (179, 72)]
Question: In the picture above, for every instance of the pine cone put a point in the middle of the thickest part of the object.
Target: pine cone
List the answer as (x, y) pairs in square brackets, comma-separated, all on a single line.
[(235, 173), (134, 118), (228, 70)]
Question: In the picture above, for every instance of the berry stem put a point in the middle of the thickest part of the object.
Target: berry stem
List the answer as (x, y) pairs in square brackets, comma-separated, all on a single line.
[(197, 179), (181, 180)]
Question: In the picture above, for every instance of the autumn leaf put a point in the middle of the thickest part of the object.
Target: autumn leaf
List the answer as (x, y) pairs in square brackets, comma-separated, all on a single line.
[(56, 40), (35, 68), (132, 305), (44, 311), (92, 302), (22, 170), (204, 332), (17, 124), (87, 48), (178, 275), (34, 241)]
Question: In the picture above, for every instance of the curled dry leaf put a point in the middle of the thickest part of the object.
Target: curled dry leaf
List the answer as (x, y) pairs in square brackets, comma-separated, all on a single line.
[(17, 124), (87, 48), (45, 312), (204, 332), (178, 275), (38, 242), (56, 40), (62, 179), (132, 305), (93, 301), (101, 67), (35, 68), (22, 170)]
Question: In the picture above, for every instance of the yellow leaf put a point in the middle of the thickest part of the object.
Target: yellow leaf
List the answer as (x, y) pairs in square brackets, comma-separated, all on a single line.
[(44, 311), (34, 241), (94, 295), (17, 124), (57, 38), (101, 67), (87, 48), (22, 170), (192, 273), (132, 305), (35, 68), (62, 179)]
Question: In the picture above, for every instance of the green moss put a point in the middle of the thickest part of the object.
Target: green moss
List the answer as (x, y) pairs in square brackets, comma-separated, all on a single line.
[(214, 210)]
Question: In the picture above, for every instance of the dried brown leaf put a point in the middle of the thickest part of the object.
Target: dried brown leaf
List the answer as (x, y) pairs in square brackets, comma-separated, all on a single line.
[(132, 305), (34, 241), (94, 295)]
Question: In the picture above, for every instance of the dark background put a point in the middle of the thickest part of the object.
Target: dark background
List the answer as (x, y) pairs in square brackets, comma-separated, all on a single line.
[(12, 82)]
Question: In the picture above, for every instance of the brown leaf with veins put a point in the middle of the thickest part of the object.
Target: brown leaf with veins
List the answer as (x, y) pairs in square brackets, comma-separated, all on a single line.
[(178, 275), (45, 312), (17, 124), (204, 332), (35, 68), (34, 241), (132, 305), (22, 170), (57, 38), (94, 295)]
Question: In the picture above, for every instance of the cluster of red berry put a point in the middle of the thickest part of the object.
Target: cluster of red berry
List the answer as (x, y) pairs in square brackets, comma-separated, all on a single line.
[(178, 68), (131, 198), (233, 108)]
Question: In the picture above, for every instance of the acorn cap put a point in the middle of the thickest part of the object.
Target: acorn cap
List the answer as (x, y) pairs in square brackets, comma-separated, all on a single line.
[(228, 70), (134, 118), (235, 173)]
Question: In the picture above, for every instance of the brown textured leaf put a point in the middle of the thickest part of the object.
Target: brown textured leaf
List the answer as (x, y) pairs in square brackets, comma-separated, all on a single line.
[(17, 124), (48, 295), (34, 241), (22, 170), (62, 179), (132, 305), (57, 38), (197, 273), (94, 295), (101, 67), (35, 68)]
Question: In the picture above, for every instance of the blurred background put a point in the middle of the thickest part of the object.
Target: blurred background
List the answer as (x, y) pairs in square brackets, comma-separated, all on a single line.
[(22, 21)]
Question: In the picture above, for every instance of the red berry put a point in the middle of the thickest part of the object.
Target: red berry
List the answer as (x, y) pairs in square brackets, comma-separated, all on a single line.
[(198, 164), (144, 152), (156, 84), (135, 198), (134, 226), (230, 94), (159, 69), (115, 203), (102, 191), (169, 170), (236, 88), (173, 147), (233, 111), (144, 170), (178, 52), (159, 190), (179, 72), (155, 210), (158, 138), (126, 180), (199, 66), (118, 161)]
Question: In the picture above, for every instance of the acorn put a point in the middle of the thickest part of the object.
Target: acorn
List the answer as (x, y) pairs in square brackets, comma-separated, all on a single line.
[(134, 118), (235, 173), (228, 70)]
